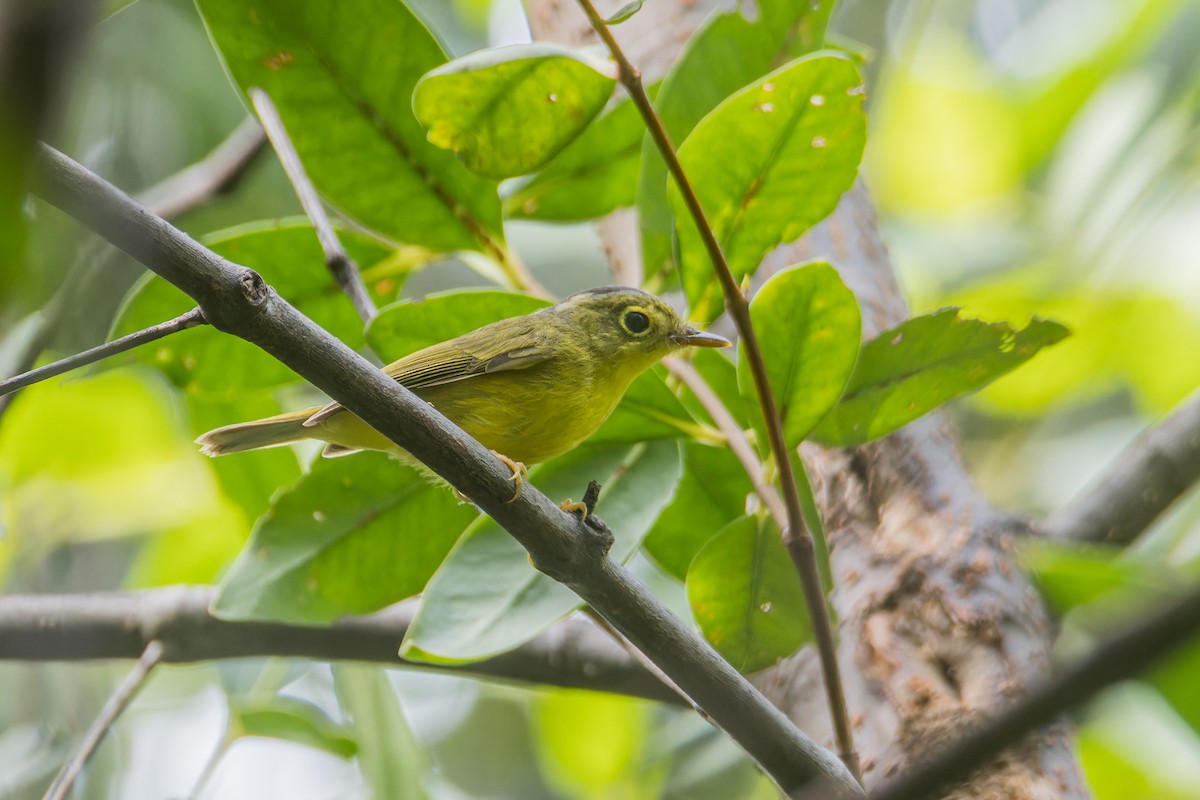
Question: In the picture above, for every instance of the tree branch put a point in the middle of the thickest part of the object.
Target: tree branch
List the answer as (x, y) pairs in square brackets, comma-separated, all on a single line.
[(344, 270), (86, 627), (120, 699), (90, 356), (795, 533), (1121, 657), (236, 300), (1142, 483)]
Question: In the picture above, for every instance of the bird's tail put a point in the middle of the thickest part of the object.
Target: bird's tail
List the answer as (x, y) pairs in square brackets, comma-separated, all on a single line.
[(270, 432)]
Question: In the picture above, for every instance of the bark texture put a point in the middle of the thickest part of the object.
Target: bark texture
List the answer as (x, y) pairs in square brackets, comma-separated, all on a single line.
[(938, 626)]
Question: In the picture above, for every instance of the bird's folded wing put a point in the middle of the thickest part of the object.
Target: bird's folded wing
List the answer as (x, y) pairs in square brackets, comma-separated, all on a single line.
[(456, 360)]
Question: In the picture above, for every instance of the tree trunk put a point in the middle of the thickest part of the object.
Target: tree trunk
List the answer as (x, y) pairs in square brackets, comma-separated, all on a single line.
[(938, 625)]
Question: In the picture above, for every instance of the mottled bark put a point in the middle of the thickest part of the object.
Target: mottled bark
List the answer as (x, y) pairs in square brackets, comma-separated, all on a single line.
[(938, 626)]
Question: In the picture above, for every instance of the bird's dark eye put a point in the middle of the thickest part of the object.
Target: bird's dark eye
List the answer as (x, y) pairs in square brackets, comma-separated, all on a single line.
[(635, 322)]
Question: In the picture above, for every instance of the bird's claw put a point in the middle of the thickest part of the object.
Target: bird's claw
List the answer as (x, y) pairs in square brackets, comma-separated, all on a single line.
[(520, 473)]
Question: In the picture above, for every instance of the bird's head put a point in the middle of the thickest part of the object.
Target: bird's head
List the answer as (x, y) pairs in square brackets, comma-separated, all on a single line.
[(632, 326)]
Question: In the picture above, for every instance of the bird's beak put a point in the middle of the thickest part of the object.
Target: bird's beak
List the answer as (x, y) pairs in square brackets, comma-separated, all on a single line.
[(690, 337)]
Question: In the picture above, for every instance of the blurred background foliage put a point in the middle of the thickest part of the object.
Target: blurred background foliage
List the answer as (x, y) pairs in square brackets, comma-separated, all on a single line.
[(1026, 157)]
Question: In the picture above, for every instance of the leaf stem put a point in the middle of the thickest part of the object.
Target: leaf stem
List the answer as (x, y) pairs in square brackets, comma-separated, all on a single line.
[(181, 323), (344, 270), (795, 534)]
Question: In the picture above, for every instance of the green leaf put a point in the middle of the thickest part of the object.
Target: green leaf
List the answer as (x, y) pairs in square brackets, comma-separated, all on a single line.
[(389, 756), (768, 163), (508, 111), (410, 325), (353, 535), (747, 47), (593, 744), (341, 81), (711, 494), (291, 720), (593, 176), (910, 370), (487, 598), (625, 12), (809, 330), (746, 597), (648, 411), (1176, 679), (218, 366)]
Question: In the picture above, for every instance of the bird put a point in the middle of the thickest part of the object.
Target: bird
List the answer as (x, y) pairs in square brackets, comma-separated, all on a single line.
[(529, 388)]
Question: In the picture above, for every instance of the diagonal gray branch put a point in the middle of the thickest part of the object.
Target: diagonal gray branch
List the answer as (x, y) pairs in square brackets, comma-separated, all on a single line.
[(236, 300), (86, 627), (1161, 465)]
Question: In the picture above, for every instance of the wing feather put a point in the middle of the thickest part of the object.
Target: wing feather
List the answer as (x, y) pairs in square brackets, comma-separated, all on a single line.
[(479, 352)]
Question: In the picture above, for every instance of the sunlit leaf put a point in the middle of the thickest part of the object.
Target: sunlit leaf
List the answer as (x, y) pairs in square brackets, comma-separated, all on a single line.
[(593, 744), (342, 83), (767, 164), (808, 327), (711, 494), (353, 535), (910, 370), (747, 46), (509, 110), (746, 596), (487, 598)]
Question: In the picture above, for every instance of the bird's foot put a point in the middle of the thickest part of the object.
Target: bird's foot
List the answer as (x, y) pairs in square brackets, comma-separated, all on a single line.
[(520, 473)]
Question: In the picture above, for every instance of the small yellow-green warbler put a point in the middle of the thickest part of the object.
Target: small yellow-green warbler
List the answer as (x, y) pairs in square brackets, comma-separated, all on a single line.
[(530, 387)]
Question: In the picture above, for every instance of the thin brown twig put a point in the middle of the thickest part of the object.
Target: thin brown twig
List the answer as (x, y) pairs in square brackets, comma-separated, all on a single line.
[(120, 699), (344, 270), (1160, 466), (796, 536), (90, 356), (734, 435)]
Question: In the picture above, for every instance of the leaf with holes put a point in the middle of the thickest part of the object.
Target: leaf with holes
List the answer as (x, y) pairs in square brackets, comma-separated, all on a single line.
[(350, 537), (906, 372), (748, 42), (809, 329), (487, 598), (767, 164), (342, 82), (509, 110), (746, 597)]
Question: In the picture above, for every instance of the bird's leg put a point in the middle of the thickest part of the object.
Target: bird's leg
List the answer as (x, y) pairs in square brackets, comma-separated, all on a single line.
[(519, 474)]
